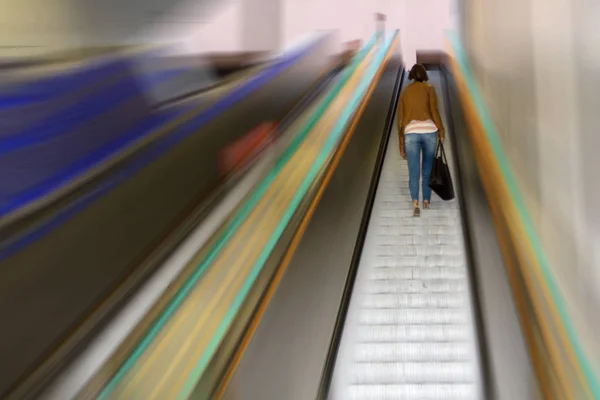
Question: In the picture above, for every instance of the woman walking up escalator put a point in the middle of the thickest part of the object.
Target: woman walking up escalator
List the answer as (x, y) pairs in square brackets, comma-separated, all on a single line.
[(419, 128)]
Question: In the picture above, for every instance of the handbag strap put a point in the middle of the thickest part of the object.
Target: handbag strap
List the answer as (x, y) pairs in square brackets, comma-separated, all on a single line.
[(440, 151)]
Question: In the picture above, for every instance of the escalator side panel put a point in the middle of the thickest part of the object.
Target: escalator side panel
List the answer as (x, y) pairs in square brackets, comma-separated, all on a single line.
[(287, 354), (512, 376)]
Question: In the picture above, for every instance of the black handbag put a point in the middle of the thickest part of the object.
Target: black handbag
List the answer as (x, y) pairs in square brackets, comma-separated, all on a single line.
[(440, 180)]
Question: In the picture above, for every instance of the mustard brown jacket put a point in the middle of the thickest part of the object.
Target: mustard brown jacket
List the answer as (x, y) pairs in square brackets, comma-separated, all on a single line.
[(419, 102)]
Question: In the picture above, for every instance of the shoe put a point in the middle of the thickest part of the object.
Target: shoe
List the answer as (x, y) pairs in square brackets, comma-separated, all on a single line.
[(426, 205), (416, 210)]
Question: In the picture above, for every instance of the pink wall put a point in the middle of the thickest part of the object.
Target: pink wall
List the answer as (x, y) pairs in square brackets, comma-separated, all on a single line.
[(424, 27), (217, 25), (223, 32), (422, 23)]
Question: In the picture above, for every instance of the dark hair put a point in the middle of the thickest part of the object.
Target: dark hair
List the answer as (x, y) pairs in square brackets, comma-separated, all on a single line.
[(418, 73)]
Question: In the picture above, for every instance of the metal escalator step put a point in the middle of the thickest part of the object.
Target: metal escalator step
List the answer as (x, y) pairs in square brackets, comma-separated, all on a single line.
[(403, 218), (459, 391), (415, 316), (416, 286), (437, 216), (414, 351), (419, 240), (412, 300), (413, 333), (419, 250), (428, 261), (394, 229), (411, 372), (418, 273)]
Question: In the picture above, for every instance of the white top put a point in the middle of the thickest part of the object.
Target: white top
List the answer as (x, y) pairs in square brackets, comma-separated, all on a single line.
[(420, 127)]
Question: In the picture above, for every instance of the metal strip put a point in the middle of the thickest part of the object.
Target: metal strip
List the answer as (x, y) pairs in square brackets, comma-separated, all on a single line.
[(345, 302)]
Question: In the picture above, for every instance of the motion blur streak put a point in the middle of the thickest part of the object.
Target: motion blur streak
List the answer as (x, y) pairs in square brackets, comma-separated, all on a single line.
[(125, 124), (536, 64)]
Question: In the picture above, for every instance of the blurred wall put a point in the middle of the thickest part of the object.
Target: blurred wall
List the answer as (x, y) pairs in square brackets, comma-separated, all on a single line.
[(537, 63), (39, 26), (422, 23), (586, 59), (26, 27), (29, 27), (262, 28), (221, 30), (425, 25)]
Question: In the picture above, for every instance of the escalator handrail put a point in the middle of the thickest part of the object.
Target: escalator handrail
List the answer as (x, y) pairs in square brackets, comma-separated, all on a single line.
[(47, 368), (229, 231), (540, 268)]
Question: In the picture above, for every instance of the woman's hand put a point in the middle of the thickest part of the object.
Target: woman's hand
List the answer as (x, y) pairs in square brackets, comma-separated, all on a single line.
[(403, 152)]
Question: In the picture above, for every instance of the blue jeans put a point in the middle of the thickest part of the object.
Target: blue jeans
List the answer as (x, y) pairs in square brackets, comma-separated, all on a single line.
[(415, 144)]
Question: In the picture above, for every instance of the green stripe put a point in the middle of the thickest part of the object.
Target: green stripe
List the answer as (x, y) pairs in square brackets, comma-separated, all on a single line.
[(540, 255), (309, 180), (245, 210)]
